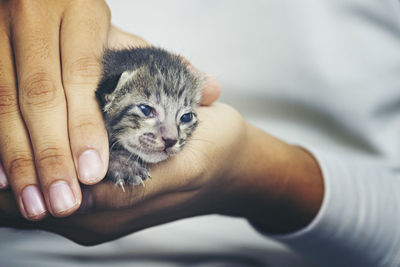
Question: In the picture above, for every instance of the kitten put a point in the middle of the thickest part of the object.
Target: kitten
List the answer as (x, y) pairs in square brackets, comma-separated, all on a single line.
[(148, 97)]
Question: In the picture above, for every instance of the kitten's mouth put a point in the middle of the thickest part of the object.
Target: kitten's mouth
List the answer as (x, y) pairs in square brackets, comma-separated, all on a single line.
[(166, 151), (158, 151), (150, 155), (149, 151)]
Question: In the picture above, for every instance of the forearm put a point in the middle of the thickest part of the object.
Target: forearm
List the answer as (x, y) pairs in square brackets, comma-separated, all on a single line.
[(277, 186)]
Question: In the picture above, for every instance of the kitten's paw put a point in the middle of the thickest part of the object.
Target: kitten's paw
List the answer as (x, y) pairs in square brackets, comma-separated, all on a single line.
[(140, 174), (123, 169)]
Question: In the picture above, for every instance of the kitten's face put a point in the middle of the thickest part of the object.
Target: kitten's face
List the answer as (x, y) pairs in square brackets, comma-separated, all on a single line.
[(152, 131), (149, 121)]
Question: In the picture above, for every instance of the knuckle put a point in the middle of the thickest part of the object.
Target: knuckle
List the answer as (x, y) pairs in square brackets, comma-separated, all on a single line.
[(39, 90), (88, 127), (8, 100), (83, 126), (83, 70), (8, 94), (51, 157), (20, 164)]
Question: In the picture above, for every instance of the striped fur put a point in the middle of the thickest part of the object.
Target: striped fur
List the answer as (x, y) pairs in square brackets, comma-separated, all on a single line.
[(151, 77)]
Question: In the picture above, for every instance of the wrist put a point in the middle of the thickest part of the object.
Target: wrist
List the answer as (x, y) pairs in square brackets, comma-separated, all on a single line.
[(276, 186)]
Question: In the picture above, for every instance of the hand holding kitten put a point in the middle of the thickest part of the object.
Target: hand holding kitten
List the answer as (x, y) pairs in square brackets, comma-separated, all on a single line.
[(229, 167), (52, 136)]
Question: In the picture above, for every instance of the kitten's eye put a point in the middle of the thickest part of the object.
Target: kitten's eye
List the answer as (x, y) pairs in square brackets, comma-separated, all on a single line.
[(186, 118), (146, 110)]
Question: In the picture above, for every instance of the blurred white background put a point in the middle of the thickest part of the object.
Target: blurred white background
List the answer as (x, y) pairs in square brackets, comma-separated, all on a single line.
[(262, 52)]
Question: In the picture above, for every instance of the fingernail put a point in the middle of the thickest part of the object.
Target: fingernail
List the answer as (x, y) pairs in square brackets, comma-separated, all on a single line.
[(90, 166), (33, 201), (61, 197), (3, 178)]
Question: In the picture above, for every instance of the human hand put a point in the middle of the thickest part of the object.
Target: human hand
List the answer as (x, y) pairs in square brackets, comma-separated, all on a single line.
[(51, 129), (190, 183), (228, 167)]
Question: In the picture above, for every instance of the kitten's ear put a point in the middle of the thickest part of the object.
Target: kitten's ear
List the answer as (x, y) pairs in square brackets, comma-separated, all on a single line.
[(106, 86), (110, 85)]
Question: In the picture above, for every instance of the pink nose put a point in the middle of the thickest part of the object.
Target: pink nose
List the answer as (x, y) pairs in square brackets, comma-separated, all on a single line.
[(169, 142)]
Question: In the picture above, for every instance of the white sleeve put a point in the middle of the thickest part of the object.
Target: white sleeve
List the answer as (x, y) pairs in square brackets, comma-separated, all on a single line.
[(358, 223)]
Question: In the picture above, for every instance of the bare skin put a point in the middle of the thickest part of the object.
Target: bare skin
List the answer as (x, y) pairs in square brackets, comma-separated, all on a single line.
[(229, 167), (51, 131), (52, 136)]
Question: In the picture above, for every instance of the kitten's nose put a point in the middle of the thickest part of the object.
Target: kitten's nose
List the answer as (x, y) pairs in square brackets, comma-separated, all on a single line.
[(169, 142)]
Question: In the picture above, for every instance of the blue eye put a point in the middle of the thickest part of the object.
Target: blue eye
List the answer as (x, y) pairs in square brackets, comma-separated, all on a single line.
[(188, 117), (146, 110)]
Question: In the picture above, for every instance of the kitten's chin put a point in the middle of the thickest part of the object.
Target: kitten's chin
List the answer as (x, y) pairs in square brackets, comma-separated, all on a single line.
[(151, 156), (154, 157)]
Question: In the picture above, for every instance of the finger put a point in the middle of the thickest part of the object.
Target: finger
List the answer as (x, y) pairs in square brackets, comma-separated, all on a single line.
[(15, 149), (211, 91), (42, 103), (81, 64)]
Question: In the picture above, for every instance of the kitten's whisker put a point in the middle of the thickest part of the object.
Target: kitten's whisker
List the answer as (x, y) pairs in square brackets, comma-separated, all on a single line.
[(130, 155), (114, 133), (112, 146)]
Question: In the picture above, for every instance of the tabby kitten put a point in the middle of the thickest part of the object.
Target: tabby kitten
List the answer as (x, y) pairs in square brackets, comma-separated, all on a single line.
[(148, 97)]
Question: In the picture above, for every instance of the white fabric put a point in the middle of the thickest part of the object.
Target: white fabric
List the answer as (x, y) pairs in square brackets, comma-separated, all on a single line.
[(322, 73), (357, 223)]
